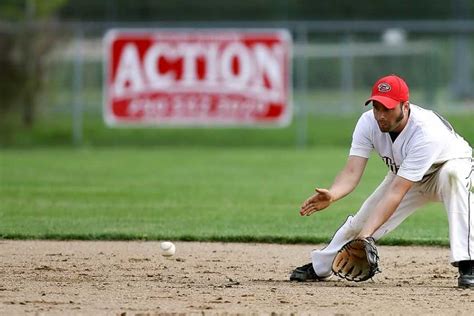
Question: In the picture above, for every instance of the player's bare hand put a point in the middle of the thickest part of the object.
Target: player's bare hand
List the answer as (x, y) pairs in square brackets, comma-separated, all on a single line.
[(317, 202)]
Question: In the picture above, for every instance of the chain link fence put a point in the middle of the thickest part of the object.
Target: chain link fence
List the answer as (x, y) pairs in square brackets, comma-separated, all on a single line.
[(334, 65)]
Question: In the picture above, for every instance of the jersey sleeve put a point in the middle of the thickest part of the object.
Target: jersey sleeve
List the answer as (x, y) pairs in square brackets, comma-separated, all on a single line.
[(422, 154), (362, 144)]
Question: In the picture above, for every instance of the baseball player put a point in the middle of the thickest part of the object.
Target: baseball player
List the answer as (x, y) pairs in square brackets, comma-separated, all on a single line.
[(427, 161)]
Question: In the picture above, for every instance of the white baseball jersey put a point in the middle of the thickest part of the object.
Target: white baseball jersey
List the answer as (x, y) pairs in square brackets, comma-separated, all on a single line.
[(426, 142)]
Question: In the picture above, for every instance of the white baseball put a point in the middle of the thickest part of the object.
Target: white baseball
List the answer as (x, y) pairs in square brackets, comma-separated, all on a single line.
[(167, 249)]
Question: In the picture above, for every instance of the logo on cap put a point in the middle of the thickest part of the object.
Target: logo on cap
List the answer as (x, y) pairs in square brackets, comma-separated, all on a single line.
[(384, 87)]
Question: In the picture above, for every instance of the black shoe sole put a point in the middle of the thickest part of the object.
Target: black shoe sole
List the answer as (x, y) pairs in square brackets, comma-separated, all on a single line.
[(302, 279), (466, 284), (307, 278)]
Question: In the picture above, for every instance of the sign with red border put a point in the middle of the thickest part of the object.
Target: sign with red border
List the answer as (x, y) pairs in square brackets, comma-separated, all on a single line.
[(197, 78)]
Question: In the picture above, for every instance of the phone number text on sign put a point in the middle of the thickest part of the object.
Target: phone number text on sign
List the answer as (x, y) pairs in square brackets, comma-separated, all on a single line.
[(209, 77)]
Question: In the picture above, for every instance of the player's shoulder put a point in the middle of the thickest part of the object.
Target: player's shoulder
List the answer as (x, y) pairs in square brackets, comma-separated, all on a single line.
[(424, 118), (366, 120), (425, 122), (420, 112), (367, 116)]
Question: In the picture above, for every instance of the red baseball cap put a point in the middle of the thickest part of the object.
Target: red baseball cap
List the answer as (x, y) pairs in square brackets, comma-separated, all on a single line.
[(390, 91)]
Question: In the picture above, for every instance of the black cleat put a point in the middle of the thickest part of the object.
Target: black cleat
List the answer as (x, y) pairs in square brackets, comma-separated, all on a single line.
[(305, 273), (466, 274)]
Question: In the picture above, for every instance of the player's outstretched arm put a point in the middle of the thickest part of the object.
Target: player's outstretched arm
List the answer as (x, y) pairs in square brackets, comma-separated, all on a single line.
[(344, 183), (386, 206)]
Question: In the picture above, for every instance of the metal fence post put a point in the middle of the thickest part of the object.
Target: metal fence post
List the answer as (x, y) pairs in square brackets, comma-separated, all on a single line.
[(461, 81), (77, 102), (302, 84), (347, 72)]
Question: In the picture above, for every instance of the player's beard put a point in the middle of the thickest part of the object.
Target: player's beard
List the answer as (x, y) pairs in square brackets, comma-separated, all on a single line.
[(392, 127)]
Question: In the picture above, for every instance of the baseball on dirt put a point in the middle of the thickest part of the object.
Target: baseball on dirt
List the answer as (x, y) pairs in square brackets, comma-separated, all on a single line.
[(167, 249)]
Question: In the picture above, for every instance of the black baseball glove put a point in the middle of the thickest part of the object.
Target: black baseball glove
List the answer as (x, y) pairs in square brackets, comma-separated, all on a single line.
[(357, 260)]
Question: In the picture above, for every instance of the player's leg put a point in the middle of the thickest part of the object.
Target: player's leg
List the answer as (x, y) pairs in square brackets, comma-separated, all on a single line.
[(454, 185), (414, 199)]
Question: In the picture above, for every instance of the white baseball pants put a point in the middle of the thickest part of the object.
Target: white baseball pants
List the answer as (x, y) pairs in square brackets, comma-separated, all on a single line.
[(452, 185)]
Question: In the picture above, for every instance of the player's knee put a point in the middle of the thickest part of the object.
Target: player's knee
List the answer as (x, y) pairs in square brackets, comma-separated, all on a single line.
[(449, 175), (449, 179)]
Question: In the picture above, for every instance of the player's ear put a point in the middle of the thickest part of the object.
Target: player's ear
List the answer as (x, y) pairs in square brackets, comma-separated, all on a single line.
[(406, 106)]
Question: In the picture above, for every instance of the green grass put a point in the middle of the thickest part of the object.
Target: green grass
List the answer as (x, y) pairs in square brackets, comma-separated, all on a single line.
[(182, 193), (322, 130)]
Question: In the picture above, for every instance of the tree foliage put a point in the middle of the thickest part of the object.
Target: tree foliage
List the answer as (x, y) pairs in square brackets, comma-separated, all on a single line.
[(264, 10), (15, 10), (23, 48)]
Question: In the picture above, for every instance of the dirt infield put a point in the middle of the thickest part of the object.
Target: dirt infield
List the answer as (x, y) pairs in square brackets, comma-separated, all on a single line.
[(130, 278)]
